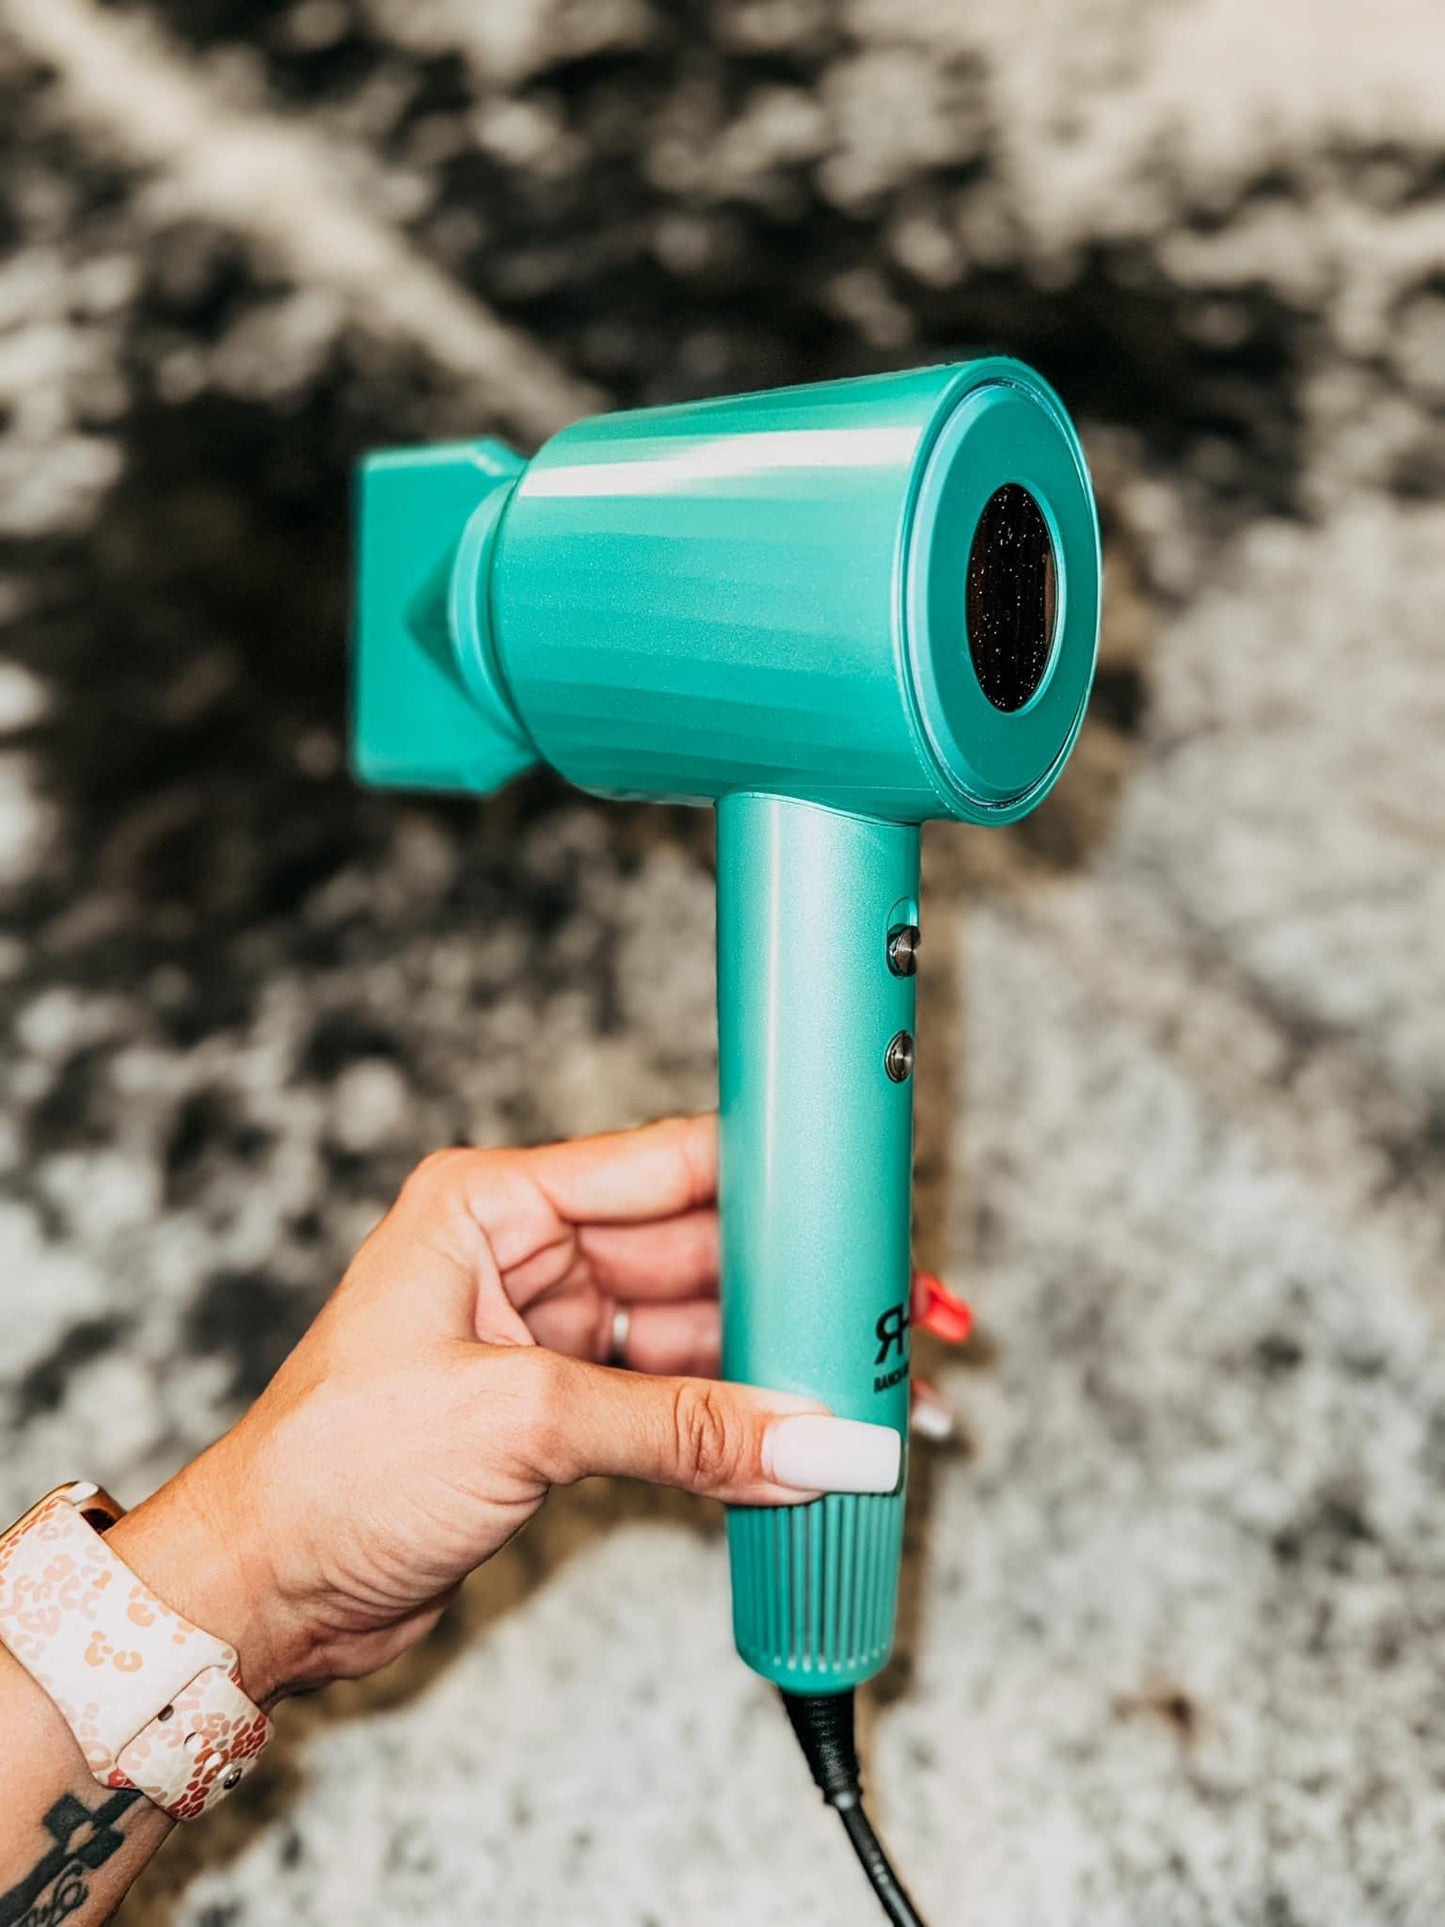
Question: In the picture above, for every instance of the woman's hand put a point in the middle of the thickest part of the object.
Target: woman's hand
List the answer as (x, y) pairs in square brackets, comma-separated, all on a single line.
[(455, 1376)]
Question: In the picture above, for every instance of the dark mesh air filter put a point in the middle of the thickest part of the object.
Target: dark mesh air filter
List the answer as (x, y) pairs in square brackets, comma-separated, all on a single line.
[(1011, 591)]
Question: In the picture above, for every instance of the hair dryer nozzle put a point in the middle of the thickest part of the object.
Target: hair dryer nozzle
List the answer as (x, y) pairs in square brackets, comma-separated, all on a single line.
[(430, 707)]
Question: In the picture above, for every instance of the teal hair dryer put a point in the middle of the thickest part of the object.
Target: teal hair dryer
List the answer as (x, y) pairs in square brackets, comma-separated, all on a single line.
[(834, 612)]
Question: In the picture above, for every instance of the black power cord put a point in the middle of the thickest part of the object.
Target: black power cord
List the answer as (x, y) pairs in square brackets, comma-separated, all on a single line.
[(823, 1723)]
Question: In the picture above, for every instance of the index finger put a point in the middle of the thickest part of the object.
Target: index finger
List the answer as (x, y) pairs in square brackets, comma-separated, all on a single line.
[(622, 1177)]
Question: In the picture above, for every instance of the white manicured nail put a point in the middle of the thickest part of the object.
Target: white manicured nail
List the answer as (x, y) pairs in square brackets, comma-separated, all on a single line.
[(816, 1453)]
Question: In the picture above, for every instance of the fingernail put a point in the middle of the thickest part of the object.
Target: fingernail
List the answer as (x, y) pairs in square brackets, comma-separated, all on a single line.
[(948, 1317), (817, 1453), (930, 1415)]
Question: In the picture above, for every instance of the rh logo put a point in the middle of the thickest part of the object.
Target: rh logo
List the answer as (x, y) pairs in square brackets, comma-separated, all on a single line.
[(891, 1332)]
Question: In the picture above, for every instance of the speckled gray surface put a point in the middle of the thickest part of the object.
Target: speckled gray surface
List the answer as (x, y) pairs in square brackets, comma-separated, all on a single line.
[(1175, 1613)]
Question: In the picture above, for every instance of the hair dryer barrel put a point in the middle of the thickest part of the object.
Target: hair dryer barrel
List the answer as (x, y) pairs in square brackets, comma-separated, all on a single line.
[(768, 592), (879, 595)]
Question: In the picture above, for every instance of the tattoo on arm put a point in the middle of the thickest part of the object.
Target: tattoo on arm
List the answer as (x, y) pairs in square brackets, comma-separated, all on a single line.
[(84, 1839)]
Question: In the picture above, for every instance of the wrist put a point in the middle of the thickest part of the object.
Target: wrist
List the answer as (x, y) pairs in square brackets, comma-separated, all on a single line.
[(196, 1543)]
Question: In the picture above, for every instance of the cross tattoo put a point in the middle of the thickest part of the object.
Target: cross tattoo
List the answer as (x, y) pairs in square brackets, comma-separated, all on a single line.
[(87, 1835)]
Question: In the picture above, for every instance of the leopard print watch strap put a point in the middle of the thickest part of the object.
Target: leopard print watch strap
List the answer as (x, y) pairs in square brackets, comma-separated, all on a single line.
[(154, 1702)]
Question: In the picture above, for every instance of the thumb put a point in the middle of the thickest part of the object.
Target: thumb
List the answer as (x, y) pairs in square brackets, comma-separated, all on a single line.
[(723, 1441)]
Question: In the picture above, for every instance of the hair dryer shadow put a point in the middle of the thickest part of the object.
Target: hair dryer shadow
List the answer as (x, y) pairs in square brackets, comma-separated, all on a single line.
[(834, 612)]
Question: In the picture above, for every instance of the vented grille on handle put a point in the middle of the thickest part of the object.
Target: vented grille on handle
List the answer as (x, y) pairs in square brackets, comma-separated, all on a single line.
[(815, 1588)]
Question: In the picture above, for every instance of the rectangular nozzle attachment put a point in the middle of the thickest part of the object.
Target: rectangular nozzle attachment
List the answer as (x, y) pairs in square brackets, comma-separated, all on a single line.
[(423, 713)]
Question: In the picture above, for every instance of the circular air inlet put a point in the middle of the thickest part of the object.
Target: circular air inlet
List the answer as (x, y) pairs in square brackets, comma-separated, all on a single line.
[(1011, 597)]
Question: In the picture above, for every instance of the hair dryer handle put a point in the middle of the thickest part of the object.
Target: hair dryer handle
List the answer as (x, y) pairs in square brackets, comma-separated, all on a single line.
[(815, 1018)]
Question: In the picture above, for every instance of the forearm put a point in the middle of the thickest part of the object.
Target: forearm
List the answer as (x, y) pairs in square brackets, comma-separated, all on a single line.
[(69, 1846)]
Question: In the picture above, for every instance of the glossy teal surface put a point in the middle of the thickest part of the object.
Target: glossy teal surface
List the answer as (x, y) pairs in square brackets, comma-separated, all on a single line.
[(759, 602), (765, 592), (998, 766), (816, 1184), (416, 721)]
